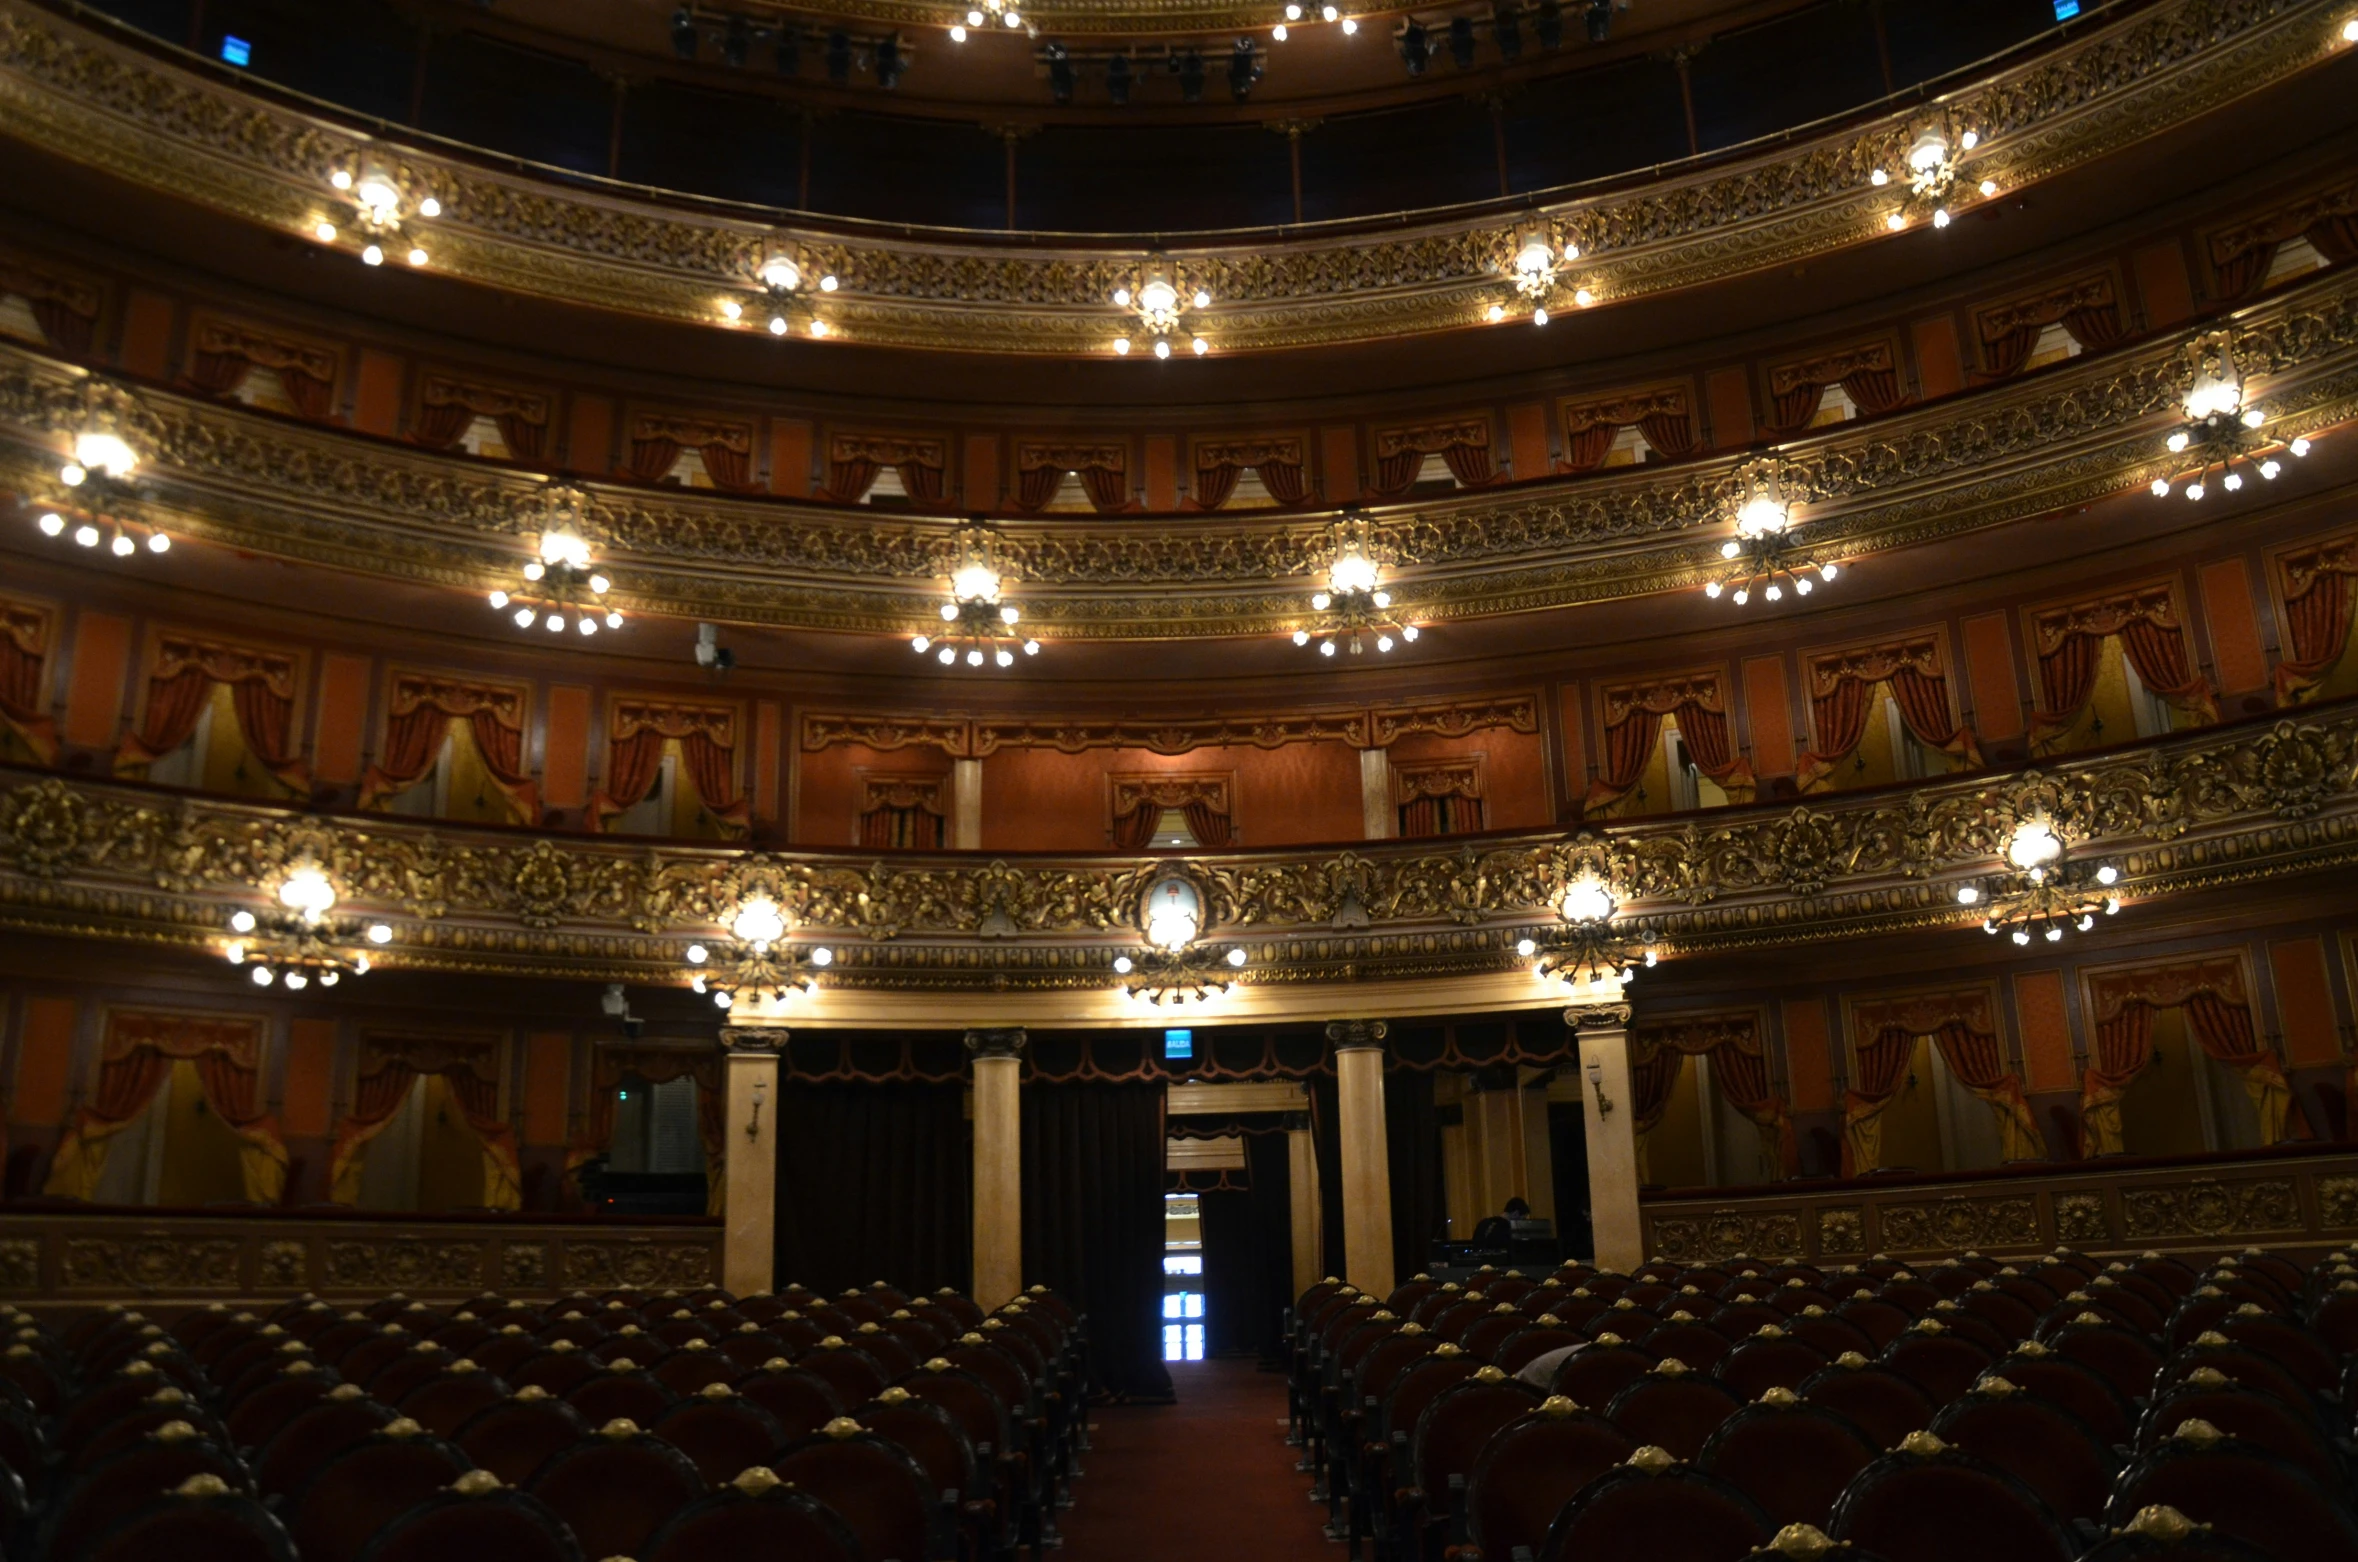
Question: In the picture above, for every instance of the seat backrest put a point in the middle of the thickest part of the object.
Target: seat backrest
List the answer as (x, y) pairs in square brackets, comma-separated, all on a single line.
[(877, 1488), (366, 1487), (1654, 1508), (1690, 1341), (199, 1521), (1738, 1321), (1791, 1457), (476, 1519), (617, 1488), (129, 1479), (756, 1515), (1880, 1321), (311, 1438), (2241, 1411), (722, 1433), (255, 1419), (2287, 1343), (422, 1362), (1886, 1406), (1769, 1359), (2126, 1359), (127, 1430), (1530, 1468), (448, 1400), (693, 1366), (2040, 1443), (2240, 1363), (1492, 1330), (621, 1394), (800, 1402), (1676, 1411), (1927, 1502), (853, 1373), (1381, 1367), (1940, 1363), (2241, 1489), (1451, 1432), (1526, 1345), (928, 1434), (2160, 1534), (1595, 1373), (2076, 1386), (515, 1437)]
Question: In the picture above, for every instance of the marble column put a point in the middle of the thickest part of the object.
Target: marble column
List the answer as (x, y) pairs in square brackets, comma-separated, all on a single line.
[(1308, 1209), (749, 1194), (1600, 1028), (998, 1165), (1367, 1167)]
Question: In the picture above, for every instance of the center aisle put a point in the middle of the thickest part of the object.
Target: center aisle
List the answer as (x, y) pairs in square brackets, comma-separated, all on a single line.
[(1208, 1477)]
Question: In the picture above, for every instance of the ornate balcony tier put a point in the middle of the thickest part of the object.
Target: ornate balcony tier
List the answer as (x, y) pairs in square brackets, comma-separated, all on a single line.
[(2068, 436), (1408, 927), (105, 105)]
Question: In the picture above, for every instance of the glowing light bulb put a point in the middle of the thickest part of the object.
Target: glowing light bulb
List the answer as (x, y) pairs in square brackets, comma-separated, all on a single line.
[(957, 32), (2161, 488), (1526, 948), (1895, 221), (1940, 216), (778, 326), (374, 255), (52, 524), (974, 658), (1539, 317), (1968, 894), (1301, 637), (429, 207), (946, 656), (1583, 297), (1775, 592), (341, 179), (1711, 589), (1879, 178), (1988, 188), (157, 542), (919, 644), (86, 535), (380, 933), (1350, 25), (122, 547), (242, 922), (1326, 648), (2194, 491), (1121, 347), (417, 257), (324, 232), (1200, 346), (1005, 658), (1495, 313), (524, 616), (1162, 349)]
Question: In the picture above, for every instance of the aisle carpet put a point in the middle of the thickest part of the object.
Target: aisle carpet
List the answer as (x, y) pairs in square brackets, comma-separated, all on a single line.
[(1208, 1477)]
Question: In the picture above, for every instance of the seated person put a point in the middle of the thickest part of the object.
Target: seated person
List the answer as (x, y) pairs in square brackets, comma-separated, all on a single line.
[(1495, 1230)]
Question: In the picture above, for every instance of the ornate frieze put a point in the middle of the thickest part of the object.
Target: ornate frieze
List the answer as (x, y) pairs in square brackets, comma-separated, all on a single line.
[(1360, 727), (107, 106)]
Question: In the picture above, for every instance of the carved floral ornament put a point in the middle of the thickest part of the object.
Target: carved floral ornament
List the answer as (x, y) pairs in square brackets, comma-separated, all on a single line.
[(108, 106), (2200, 811)]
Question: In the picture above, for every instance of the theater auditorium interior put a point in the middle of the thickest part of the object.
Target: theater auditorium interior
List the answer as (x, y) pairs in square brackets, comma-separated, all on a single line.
[(966, 780)]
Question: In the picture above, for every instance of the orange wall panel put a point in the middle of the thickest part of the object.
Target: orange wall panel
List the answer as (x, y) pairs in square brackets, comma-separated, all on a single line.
[(2304, 1002), (2046, 1030), (2235, 627), (311, 1073), (1527, 439), (1769, 708), (766, 726), (1042, 800), (1514, 772), (790, 457), (1162, 472), (1940, 367), (827, 788), (564, 761), (342, 727), (1989, 673), (44, 1063), (548, 1068), (376, 397), (1809, 1055), (2162, 284), (1570, 718), (589, 438), (1728, 392), (147, 335), (1338, 449), (94, 697), (982, 471)]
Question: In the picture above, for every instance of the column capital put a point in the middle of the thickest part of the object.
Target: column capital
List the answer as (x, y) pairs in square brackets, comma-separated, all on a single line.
[(753, 1039), (1357, 1035), (1597, 1016), (1004, 1043)]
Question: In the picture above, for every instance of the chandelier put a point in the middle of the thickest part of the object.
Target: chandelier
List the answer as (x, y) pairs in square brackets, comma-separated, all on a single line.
[(560, 589), (1537, 271), (2222, 434), (1930, 175), (1354, 607), (786, 297), (757, 965), (295, 942), (1158, 300), (376, 206), (1585, 952), (2043, 894), (1173, 969), (982, 14), (1763, 556), (97, 479), (977, 627)]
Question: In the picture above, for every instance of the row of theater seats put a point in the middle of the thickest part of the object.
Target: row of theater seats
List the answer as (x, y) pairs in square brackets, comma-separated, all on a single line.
[(2038, 1412), (680, 1427)]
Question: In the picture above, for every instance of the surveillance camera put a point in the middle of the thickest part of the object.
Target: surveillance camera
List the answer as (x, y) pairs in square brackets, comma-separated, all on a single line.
[(710, 653), (615, 1002)]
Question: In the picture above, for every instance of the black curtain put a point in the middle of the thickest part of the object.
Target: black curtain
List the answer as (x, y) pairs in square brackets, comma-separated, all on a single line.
[(1412, 1149), (1093, 1222), (1326, 1138), (874, 1184), (1567, 1146), (1249, 1256)]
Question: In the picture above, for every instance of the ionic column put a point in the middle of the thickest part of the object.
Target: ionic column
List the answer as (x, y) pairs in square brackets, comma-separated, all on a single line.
[(749, 1186), (1601, 1029), (998, 1165), (1309, 1210), (1367, 1167)]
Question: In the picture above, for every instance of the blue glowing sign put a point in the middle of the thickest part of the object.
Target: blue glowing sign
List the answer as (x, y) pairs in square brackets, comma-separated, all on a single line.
[(236, 50), (1178, 1044)]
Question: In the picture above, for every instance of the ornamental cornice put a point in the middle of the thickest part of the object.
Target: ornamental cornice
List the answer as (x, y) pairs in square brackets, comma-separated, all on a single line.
[(102, 104), (2070, 435), (2254, 802)]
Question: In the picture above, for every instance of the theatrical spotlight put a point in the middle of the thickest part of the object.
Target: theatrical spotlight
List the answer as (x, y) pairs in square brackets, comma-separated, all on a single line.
[(1189, 67), (683, 33), (1548, 22), (1244, 68), (1060, 73), (737, 42), (889, 62), (839, 57), (789, 52), (1415, 48), (1119, 78), (1461, 41), (1507, 31), (1600, 20)]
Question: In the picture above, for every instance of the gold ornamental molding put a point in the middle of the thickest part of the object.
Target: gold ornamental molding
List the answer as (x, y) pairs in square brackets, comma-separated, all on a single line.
[(1360, 727), (103, 104), (1425, 922), (2070, 435)]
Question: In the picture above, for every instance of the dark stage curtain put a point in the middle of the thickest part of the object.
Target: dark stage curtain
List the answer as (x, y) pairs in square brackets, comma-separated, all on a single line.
[(874, 1184), (1093, 1222), (1248, 1256), (1326, 1139), (1412, 1147), (1567, 1142)]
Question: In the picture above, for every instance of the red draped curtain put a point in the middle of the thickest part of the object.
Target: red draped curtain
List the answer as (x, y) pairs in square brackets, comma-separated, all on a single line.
[(1133, 828), (2317, 612), (1278, 463), (1882, 1066), (1966, 1037), (1140, 804), (2124, 1046), (180, 686), (1586, 447), (1104, 473), (1633, 727), (448, 408), (24, 655), (2240, 257), (2218, 1013), (1445, 799), (923, 481), (609, 1066), (1739, 1067), (223, 355), (707, 738), (1870, 375), (66, 310), (1211, 827), (854, 459), (1842, 696), (422, 710), (902, 816), (388, 1073), (2070, 651), (848, 478), (1661, 416), (1463, 447), (1977, 1061), (726, 450), (137, 1055)]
